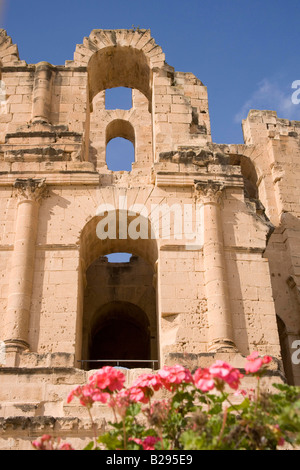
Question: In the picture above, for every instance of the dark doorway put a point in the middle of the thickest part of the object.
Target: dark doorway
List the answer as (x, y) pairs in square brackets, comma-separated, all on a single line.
[(121, 333)]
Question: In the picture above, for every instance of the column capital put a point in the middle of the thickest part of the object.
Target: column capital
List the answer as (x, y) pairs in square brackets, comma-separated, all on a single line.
[(209, 192), (30, 189)]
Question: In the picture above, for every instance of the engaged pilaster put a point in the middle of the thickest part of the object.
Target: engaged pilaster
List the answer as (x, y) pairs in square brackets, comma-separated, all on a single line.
[(29, 192), (210, 193), (42, 93)]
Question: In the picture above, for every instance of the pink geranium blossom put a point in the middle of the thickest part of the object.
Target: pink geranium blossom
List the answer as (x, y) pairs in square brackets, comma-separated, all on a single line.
[(47, 442), (148, 443), (65, 446), (99, 396), (108, 378), (216, 376), (140, 395), (143, 388), (255, 362), (83, 393), (204, 380), (121, 401), (44, 443), (173, 376), (88, 395), (101, 385), (225, 372), (146, 381)]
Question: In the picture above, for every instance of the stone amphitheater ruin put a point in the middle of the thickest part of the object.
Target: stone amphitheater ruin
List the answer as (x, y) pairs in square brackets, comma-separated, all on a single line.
[(231, 289)]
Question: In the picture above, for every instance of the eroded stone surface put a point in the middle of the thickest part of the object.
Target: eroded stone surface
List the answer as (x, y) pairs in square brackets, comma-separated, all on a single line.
[(235, 291)]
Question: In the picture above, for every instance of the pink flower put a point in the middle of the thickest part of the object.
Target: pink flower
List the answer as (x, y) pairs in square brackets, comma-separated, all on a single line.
[(97, 395), (204, 380), (100, 386), (120, 402), (84, 395), (223, 371), (255, 362), (143, 388), (173, 376), (65, 446), (242, 392), (216, 375), (136, 440), (148, 381), (148, 443), (140, 395), (279, 436), (44, 443), (108, 378), (266, 359), (47, 442)]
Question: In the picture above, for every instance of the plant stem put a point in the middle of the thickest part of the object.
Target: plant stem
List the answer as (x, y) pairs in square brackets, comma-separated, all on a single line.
[(161, 438), (124, 435), (257, 393), (93, 427), (223, 425), (233, 406)]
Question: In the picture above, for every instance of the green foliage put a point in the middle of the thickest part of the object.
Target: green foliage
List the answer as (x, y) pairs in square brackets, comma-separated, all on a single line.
[(210, 422), (198, 413)]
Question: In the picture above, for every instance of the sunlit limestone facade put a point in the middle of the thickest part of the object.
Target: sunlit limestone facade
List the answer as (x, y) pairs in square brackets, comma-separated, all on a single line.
[(213, 231)]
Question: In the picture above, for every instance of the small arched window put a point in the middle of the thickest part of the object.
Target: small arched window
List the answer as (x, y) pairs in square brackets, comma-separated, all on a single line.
[(120, 145)]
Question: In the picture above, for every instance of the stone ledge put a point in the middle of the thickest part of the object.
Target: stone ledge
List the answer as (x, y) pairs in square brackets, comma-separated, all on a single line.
[(38, 424), (235, 359)]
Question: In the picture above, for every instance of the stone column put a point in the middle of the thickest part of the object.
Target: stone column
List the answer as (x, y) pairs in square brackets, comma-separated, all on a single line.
[(29, 192), (42, 93), (209, 193)]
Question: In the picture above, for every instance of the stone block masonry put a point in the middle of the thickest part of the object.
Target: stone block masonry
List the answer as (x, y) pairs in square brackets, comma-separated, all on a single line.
[(64, 305)]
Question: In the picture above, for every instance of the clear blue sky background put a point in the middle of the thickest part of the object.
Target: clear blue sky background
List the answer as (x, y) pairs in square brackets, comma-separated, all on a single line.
[(245, 51)]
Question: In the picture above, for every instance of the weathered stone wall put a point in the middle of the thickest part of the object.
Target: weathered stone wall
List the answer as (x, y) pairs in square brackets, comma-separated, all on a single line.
[(277, 157), (231, 291)]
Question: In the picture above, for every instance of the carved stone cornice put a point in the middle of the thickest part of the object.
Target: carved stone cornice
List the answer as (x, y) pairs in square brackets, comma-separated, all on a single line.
[(208, 192), (30, 189)]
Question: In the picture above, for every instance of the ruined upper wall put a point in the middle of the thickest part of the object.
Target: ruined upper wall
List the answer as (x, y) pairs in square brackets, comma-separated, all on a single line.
[(274, 149), (62, 98), (260, 126), (9, 54)]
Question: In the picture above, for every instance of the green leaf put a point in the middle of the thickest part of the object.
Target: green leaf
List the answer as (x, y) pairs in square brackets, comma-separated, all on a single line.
[(241, 406), (111, 441), (90, 446)]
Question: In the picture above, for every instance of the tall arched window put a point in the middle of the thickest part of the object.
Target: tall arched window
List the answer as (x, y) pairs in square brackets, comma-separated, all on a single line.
[(118, 313)]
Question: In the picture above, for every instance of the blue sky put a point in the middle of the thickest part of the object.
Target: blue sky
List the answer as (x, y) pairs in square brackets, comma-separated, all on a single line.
[(245, 51)]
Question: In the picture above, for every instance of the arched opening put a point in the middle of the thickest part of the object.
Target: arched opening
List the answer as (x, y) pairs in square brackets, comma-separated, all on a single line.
[(249, 175), (120, 145), (119, 154), (120, 128), (285, 350), (121, 333), (118, 312), (118, 98), (111, 70), (119, 66), (119, 257)]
